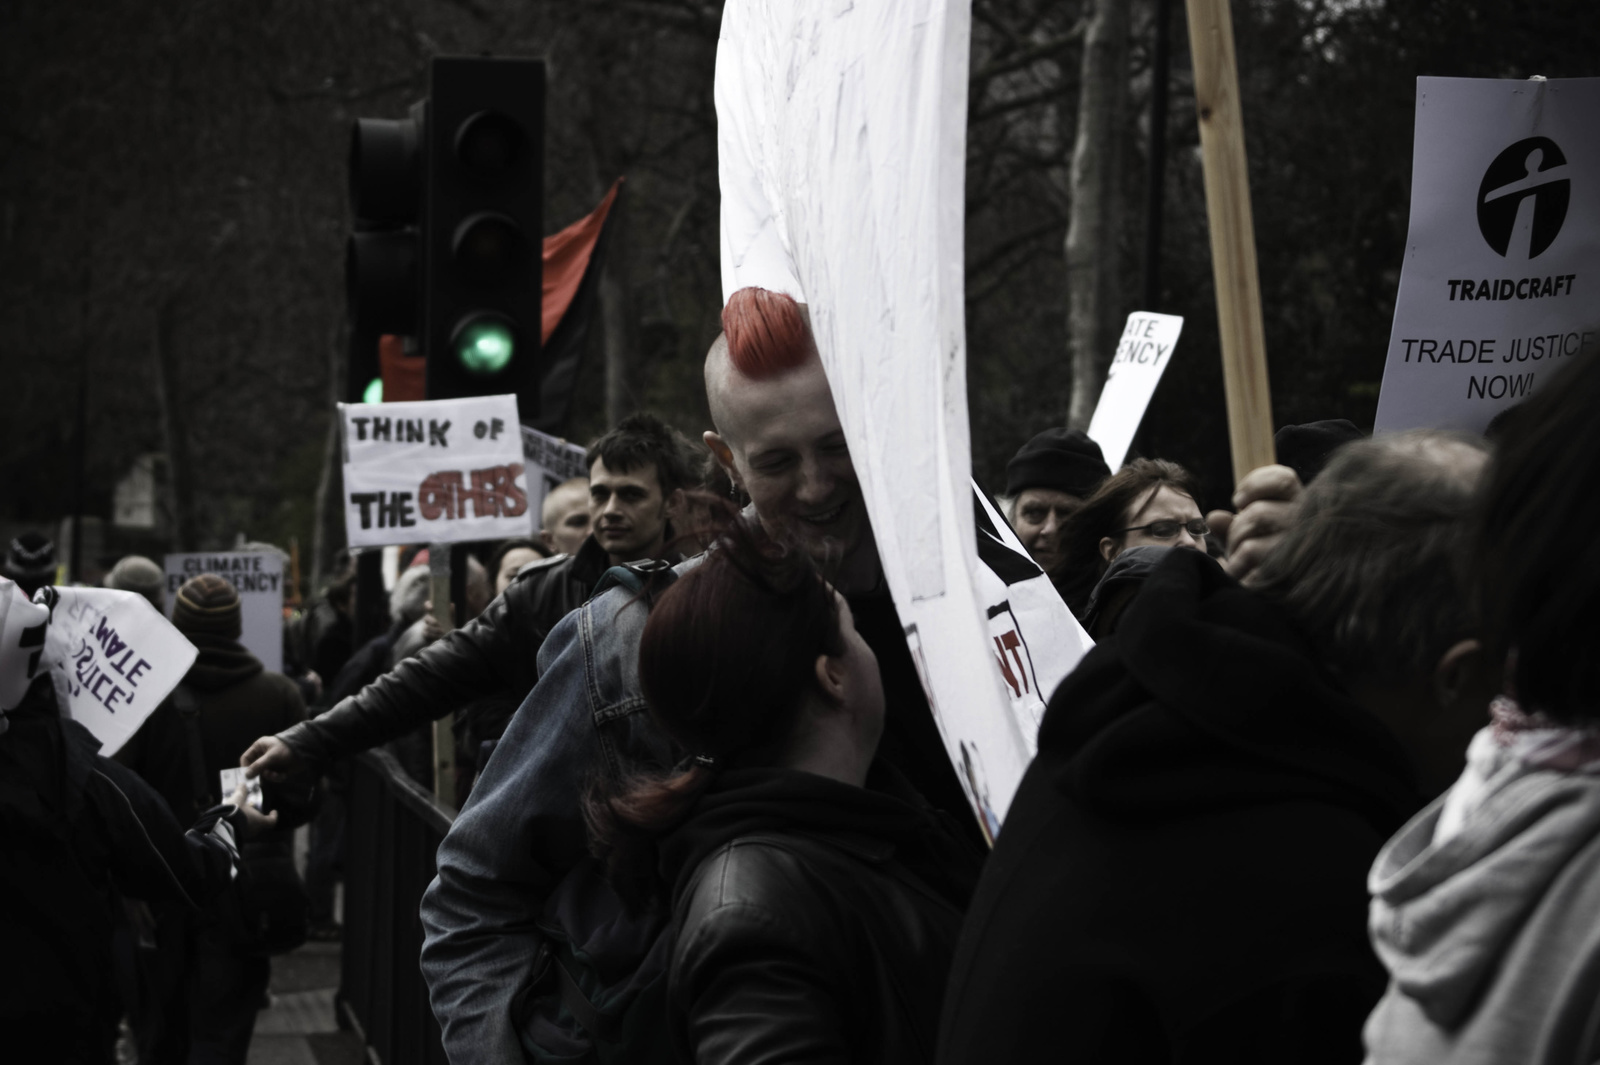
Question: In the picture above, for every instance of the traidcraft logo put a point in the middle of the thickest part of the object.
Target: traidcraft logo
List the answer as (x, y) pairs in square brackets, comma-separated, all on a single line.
[(1524, 191)]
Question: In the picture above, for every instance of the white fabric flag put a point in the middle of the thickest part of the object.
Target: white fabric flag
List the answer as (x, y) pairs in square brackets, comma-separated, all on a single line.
[(841, 132), (112, 658)]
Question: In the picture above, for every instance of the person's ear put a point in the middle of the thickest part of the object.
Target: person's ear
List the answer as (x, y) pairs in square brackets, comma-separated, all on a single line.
[(673, 504), (1108, 548), (546, 539), (724, 454), (831, 677), (1460, 673)]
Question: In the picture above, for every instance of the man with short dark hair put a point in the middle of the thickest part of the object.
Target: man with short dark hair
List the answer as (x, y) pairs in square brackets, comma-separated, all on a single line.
[(1182, 874), (644, 462)]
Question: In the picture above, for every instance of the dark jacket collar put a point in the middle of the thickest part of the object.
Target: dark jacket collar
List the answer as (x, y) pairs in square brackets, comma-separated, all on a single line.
[(887, 819)]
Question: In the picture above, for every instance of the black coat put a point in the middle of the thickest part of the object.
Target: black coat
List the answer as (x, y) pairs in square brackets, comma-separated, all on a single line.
[(73, 827), (815, 920), (1182, 874)]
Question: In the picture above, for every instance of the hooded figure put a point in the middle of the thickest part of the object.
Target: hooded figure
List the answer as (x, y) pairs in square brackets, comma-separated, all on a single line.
[(76, 831), (1180, 877), (206, 992)]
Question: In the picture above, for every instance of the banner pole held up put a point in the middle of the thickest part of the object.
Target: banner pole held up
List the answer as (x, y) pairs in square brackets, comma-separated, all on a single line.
[(1233, 240), (444, 737)]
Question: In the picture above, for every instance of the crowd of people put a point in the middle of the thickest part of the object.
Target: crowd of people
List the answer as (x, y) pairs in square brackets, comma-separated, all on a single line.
[(1326, 787)]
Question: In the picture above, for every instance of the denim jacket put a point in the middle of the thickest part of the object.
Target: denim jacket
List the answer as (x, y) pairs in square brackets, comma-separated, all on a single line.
[(522, 827)]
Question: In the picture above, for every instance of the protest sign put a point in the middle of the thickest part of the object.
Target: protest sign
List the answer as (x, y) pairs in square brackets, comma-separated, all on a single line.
[(436, 471), (549, 461), (841, 138), (258, 578), (1497, 291), (1143, 352), (112, 658)]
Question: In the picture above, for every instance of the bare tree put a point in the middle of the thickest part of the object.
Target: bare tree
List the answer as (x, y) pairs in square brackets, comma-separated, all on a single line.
[(1094, 295)]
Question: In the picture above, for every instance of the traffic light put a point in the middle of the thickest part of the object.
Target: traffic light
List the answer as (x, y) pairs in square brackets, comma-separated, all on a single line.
[(383, 268), (447, 239), (483, 229)]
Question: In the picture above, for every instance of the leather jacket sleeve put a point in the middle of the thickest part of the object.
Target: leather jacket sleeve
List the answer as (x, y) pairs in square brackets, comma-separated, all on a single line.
[(491, 654)]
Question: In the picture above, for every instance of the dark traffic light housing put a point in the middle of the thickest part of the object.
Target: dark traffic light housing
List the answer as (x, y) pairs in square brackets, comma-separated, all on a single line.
[(448, 236), (484, 228)]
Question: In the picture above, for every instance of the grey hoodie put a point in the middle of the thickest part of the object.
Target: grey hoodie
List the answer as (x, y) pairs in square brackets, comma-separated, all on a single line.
[(1492, 935)]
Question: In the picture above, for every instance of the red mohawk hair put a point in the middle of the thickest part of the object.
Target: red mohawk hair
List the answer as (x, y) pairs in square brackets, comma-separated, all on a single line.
[(767, 333)]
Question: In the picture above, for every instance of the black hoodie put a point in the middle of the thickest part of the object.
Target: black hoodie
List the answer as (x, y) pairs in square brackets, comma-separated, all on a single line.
[(1181, 876)]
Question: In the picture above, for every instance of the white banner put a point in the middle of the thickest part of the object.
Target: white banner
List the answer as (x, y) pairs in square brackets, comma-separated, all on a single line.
[(437, 471), (1498, 288), (112, 657), (1037, 641), (841, 136), (258, 578), (550, 460), (1143, 352)]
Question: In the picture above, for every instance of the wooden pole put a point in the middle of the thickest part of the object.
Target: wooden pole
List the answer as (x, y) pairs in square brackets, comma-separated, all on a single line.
[(444, 737), (1233, 238)]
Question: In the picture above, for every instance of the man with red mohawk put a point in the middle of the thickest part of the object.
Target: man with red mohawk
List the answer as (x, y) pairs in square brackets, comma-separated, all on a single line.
[(779, 438)]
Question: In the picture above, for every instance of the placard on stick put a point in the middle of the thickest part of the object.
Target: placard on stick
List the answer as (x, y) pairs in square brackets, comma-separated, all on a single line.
[(1145, 348), (438, 471), (550, 460), (1503, 251), (112, 659), (258, 578)]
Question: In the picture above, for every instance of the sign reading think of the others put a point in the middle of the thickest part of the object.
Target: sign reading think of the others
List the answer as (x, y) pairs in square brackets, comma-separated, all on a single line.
[(438, 471), (1502, 259), (258, 578), (1143, 352)]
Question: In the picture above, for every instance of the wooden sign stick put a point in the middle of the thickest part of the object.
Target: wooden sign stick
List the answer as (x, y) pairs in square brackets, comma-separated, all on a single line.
[(1233, 238)]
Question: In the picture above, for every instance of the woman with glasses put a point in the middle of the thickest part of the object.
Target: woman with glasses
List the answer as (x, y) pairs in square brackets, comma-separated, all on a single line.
[(1149, 502)]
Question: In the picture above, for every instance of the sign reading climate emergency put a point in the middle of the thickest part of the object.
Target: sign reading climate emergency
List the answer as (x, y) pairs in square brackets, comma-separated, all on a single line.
[(440, 471), (1502, 265), (258, 578)]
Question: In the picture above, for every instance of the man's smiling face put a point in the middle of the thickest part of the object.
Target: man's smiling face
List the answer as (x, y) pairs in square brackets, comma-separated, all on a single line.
[(786, 448)]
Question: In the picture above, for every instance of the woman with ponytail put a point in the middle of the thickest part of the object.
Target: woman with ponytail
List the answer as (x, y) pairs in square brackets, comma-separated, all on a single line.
[(817, 898)]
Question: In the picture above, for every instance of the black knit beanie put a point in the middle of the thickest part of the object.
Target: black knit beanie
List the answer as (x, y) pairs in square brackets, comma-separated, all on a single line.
[(207, 606), (1305, 449), (1063, 459)]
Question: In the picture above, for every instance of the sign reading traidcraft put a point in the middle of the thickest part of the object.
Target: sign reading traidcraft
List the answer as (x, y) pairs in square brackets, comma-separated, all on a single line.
[(112, 659), (439, 471), (1498, 288), (258, 578), (1143, 352)]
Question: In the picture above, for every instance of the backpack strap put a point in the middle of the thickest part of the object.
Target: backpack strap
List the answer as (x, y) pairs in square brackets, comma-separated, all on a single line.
[(183, 698), (646, 579)]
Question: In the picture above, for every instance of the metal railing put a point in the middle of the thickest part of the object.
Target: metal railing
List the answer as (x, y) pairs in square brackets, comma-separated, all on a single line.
[(392, 835)]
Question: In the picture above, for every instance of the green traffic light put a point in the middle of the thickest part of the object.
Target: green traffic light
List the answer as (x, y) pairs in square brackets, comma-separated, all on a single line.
[(373, 393), (485, 346)]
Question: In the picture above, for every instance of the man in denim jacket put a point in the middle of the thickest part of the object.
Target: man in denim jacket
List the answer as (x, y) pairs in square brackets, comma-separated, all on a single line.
[(779, 438)]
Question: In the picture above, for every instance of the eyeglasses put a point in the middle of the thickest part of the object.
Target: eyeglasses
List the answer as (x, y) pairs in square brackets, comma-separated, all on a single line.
[(1168, 530)]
